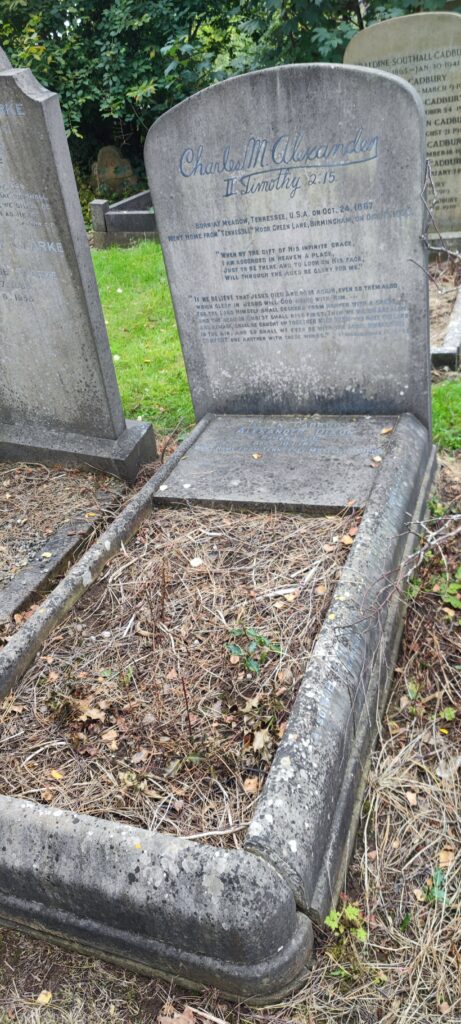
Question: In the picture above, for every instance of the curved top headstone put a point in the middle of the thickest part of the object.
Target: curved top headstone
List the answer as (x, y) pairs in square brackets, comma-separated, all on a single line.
[(289, 209), (56, 370), (425, 49)]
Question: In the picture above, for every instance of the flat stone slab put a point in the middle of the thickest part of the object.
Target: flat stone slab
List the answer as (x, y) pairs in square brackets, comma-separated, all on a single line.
[(294, 462)]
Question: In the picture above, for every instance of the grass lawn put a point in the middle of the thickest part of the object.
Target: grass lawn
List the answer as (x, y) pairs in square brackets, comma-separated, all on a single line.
[(143, 335), (147, 352)]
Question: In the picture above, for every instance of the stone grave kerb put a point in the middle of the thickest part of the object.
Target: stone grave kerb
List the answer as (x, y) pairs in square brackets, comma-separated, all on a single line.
[(59, 398), (203, 158)]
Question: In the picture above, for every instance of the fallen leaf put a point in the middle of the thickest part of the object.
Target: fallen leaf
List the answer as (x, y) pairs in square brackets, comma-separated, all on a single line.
[(346, 539), (44, 998), (411, 797), (446, 857), (195, 562), (251, 785), (256, 455), (186, 1017), (353, 531), (260, 739), (109, 737), (94, 714), (54, 774), (328, 547), (140, 756)]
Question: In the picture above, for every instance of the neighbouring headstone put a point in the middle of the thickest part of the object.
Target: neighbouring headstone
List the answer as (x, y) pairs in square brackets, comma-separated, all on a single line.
[(5, 64), (289, 208), (112, 173), (59, 399), (425, 49)]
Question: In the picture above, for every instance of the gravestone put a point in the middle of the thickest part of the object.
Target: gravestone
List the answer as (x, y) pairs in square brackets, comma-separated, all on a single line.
[(425, 49), (59, 399), (292, 241), (4, 62), (113, 172)]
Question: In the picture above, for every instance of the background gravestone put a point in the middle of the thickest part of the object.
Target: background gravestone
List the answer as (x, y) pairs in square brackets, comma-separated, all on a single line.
[(425, 49), (289, 211), (4, 62), (59, 399), (113, 172)]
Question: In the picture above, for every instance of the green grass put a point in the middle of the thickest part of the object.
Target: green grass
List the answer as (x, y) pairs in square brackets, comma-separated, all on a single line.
[(446, 408), (143, 336), (145, 344)]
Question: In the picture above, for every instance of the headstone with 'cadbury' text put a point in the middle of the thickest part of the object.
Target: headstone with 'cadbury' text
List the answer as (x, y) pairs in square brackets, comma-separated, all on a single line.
[(425, 49), (59, 399), (289, 209)]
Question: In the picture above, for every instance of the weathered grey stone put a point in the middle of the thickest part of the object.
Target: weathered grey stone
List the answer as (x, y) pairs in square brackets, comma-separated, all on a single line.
[(122, 457), (28, 582), (425, 49), (316, 463), (289, 210), (122, 223), (162, 904), (56, 370), (99, 208), (333, 723)]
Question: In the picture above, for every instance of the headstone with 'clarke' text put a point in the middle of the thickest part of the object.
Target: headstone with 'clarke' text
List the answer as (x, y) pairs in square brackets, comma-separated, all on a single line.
[(425, 49), (59, 400), (288, 203)]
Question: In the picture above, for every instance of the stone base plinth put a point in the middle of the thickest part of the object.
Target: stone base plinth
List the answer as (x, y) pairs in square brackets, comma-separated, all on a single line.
[(122, 457)]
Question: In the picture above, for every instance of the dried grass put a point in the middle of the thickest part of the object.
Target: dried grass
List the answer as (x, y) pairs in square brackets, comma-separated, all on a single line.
[(137, 710)]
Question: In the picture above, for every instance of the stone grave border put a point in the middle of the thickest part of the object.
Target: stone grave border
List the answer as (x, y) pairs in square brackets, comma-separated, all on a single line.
[(238, 920), (125, 222), (448, 354)]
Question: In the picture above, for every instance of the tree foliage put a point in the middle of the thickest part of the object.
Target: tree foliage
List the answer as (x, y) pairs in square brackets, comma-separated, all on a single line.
[(118, 64)]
